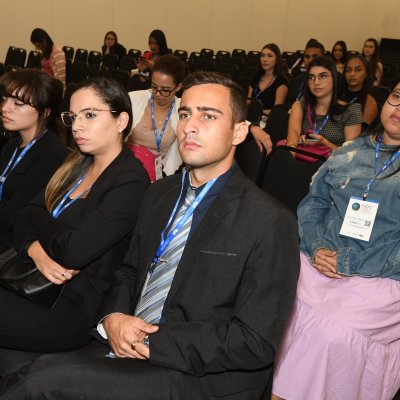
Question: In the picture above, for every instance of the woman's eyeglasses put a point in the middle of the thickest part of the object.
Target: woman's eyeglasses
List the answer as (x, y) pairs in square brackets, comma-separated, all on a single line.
[(394, 98), (163, 92), (322, 77), (85, 116)]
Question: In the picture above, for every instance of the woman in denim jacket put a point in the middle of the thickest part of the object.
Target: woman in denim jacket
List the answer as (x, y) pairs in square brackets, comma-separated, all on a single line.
[(343, 338)]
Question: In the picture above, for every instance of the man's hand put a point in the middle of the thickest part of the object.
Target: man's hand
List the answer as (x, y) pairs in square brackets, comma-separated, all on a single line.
[(325, 262), (126, 333), (50, 269)]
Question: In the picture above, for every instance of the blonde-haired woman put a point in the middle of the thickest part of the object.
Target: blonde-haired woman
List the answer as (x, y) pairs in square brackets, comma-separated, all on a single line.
[(78, 231)]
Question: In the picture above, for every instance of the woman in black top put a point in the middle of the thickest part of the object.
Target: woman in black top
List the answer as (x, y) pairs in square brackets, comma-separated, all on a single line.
[(339, 55), (78, 231), (270, 86), (371, 53), (357, 88), (111, 45), (270, 83), (30, 106)]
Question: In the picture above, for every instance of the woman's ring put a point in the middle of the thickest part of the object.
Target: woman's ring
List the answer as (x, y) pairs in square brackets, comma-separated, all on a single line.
[(134, 343)]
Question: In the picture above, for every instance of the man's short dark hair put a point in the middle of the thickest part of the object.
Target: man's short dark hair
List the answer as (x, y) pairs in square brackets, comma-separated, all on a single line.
[(314, 44), (237, 97)]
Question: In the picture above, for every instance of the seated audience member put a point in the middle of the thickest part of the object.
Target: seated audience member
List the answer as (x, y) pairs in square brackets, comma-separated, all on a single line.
[(356, 89), (270, 86), (78, 230), (111, 45), (158, 47), (319, 119), (270, 83), (155, 117), (313, 50), (30, 106), (53, 57), (371, 53), (211, 329), (339, 55), (299, 65), (343, 339)]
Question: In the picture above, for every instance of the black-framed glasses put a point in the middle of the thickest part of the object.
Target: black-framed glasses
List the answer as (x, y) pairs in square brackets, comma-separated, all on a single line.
[(86, 115), (322, 77), (163, 92), (394, 98)]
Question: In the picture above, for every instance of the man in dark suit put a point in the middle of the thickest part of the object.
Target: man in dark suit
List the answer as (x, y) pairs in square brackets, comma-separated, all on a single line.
[(223, 315)]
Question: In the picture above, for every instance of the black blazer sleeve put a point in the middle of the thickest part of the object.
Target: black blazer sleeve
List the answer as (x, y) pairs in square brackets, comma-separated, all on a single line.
[(114, 202), (30, 176)]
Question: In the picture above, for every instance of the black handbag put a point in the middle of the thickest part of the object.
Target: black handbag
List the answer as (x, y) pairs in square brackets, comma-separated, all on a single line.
[(23, 278)]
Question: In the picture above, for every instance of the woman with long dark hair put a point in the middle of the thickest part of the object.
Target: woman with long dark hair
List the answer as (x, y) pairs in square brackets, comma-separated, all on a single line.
[(356, 88), (270, 83), (30, 107), (112, 46), (319, 118), (339, 55), (53, 57), (371, 53), (158, 47), (78, 230), (270, 86)]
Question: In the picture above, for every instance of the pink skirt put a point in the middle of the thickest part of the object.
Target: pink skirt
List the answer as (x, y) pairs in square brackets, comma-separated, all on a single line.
[(147, 158), (342, 340)]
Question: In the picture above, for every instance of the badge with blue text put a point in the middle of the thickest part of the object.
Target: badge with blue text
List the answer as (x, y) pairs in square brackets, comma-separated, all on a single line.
[(359, 219)]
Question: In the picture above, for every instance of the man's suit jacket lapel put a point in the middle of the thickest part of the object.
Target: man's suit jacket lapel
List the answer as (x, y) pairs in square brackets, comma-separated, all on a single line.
[(226, 203)]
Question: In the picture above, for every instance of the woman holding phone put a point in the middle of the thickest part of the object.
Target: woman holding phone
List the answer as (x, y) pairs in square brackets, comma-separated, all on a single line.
[(318, 118)]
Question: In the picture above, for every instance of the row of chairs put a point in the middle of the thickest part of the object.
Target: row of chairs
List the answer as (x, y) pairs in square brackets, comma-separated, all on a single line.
[(17, 57), (279, 174)]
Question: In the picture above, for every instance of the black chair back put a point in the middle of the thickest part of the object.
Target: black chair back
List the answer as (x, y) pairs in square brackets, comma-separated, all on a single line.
[(94, 57), (251, 160), (69, 52), (34, 60), (110, 61), (127, 63), (81, 55), (287, 179)]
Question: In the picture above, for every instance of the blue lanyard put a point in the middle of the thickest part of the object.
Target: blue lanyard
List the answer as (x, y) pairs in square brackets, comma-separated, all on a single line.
[(258, 91), (166, 241), (157, 135), (324, 122), (11, 164), (298, 97), (394, 157), (353, 100), (61, 207)]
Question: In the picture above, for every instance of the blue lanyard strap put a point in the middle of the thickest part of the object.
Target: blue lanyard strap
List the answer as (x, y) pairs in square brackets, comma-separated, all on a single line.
[(61, 206), (388, 163), (12, 164), (300, 94), (166, 241), (314, 126), (157, 135)]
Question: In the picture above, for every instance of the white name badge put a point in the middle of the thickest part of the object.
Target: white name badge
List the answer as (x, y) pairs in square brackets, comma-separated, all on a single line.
[(158, 167), (359, 219)]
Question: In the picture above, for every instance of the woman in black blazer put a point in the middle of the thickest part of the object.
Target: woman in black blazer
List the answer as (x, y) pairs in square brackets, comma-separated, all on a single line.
[(78, 231), (30, 106)]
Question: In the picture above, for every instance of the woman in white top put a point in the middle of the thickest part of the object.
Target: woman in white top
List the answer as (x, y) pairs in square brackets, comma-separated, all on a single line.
[(155, 117)]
